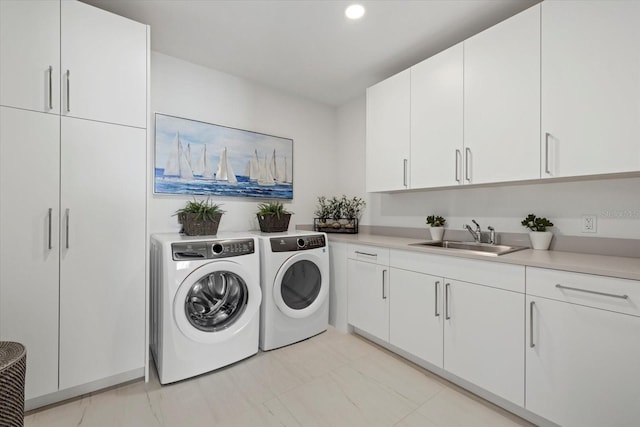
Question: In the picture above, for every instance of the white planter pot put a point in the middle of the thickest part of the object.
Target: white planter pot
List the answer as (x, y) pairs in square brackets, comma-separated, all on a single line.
[(540, 239), (436, 233)]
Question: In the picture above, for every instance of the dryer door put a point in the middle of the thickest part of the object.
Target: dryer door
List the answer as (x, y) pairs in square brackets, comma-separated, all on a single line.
[(216, 301), (301, 285)]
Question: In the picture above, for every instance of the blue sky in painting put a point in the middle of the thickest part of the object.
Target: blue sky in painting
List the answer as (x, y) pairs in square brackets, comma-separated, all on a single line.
[(240, 143)]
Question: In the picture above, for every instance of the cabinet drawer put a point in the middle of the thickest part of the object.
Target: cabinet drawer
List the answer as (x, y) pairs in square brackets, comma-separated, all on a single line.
[(607, 293), (373, 254), (504, 276)]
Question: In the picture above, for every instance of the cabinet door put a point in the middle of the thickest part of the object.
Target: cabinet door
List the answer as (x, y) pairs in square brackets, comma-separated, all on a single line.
[(388, 134), (582, 364), (483, 338), (29, 191), (415, 314), (104, 65), (368, 297), (30, 54), (102, 269), (436, 120), (590, 87), (502, 101)]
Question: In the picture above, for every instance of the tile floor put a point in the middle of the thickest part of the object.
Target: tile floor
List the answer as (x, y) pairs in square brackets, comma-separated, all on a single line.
[(333, 379)]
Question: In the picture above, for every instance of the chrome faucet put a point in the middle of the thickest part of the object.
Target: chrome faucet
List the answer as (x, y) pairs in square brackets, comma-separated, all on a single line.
[(492, 235), (477, 233)]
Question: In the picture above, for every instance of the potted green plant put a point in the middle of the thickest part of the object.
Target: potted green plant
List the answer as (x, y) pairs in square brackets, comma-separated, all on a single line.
[(199, 217), (323, 212), (436, 226), (352, 210), (273, 217), (538, 234)]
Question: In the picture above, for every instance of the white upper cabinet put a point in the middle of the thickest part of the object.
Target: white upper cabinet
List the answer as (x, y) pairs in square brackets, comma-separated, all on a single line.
[(590, 87), (104, 66), (502, 101), (436, 120), (30, 55), (388, 134)]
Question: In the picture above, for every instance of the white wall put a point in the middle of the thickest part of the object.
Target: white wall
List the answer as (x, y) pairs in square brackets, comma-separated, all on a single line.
[(615, 202), (187, 90)]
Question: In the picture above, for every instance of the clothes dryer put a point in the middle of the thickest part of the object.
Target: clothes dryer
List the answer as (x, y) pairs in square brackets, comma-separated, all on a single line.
[(205, 303), (295, 287)]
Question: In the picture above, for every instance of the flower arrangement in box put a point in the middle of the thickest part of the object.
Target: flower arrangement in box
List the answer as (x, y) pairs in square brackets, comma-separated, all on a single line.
[(338, 214)]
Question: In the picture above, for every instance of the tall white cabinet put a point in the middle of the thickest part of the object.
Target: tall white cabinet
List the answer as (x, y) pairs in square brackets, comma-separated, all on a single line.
[(73, 200), (590, 87)]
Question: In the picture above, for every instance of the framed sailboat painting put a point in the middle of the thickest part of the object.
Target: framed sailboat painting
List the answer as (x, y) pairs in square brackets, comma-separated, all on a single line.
[(193, 157)]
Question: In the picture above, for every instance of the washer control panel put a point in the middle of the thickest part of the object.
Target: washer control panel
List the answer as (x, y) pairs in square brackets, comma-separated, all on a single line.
[(212, 249), (297, 243)]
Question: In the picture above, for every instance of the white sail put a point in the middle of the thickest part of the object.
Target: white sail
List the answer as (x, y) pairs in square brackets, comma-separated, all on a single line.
[(273, 166), (225, 172), (199, 164), (265, 178), (254, 172), (178, 164), (287, 178), (247, 168), (208, 167)]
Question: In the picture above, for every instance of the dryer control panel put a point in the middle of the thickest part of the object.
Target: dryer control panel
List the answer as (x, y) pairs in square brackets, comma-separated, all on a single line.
[(212, 249), (297, 243)]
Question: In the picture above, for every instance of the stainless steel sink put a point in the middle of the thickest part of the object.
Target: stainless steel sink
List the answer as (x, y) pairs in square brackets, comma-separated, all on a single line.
[(472, 247)]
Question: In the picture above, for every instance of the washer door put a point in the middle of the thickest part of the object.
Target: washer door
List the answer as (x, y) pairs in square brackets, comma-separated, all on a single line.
[(216, 301), (301, 285)]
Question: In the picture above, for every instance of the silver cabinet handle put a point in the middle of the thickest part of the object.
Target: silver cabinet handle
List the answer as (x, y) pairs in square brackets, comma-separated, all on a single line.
[(50, 215), (404, 177), (458, 157), (546, 153), (365, 253), (467, 162), (67, 227), (605, 294), (531, 343), (446, 301), (384, 295), (50, 87), (437, 284), (68, 91)]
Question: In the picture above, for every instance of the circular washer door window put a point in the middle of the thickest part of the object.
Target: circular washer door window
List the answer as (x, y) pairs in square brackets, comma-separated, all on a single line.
[(216, 301)]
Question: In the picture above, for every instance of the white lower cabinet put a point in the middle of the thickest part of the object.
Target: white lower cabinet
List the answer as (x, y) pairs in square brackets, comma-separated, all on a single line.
[(471, 329), (583, 349), (416, 314), (484, 339), (368, 290)]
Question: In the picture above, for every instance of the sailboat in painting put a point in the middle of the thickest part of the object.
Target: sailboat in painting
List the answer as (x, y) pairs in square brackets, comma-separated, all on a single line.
[(265, 178), (202, 167), (225, 171), (178, 163)]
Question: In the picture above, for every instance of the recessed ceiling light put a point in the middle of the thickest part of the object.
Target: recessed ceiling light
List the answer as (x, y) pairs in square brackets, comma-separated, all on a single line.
[(355, 11)]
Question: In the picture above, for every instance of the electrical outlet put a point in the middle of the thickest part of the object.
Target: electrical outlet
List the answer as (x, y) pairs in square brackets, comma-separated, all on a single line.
[(589, 223)]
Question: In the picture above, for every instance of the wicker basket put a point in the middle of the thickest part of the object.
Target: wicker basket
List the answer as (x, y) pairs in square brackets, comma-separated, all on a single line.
[(273, 224), (13, 366), (193, 225)]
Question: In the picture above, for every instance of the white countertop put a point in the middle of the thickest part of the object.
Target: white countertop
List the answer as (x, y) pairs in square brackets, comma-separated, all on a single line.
[(622, 267)]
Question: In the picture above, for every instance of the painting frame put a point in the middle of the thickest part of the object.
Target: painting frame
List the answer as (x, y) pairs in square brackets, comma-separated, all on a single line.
[(187, 152)]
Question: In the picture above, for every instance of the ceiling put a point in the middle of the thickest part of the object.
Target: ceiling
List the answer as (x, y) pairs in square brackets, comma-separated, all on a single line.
[(307, 47)]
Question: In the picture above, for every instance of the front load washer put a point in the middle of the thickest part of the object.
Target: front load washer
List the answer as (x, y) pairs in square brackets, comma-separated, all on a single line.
[(205, 303), (295, 287)]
